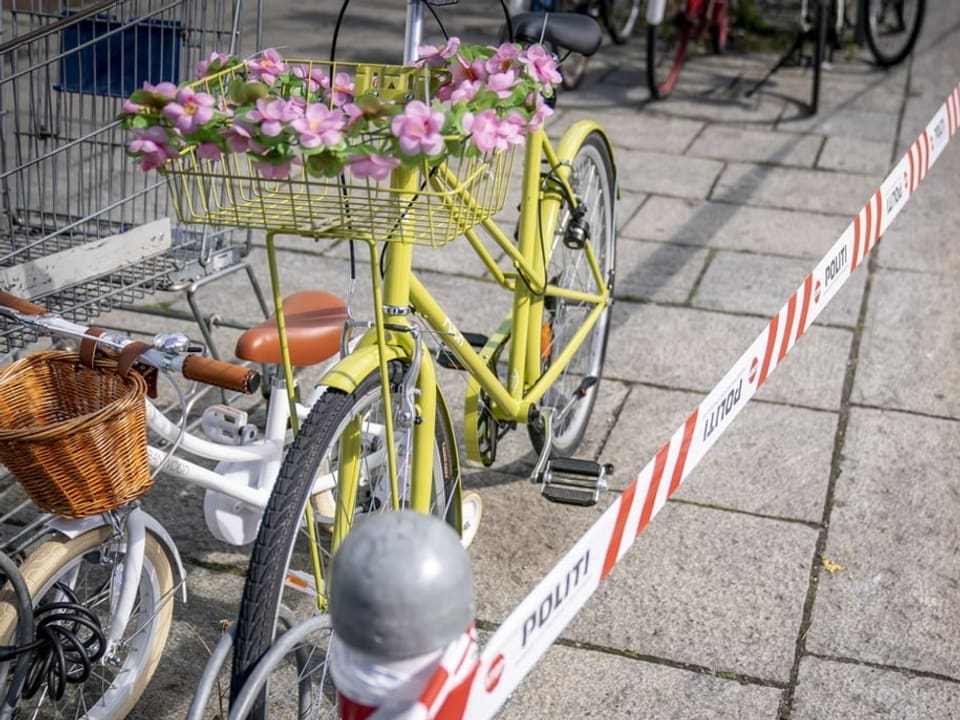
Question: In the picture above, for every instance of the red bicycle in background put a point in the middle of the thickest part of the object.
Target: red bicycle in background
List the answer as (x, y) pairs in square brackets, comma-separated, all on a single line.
[(672, 26)]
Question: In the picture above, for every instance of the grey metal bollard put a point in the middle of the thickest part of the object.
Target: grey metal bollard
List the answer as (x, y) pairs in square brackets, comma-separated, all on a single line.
[(401, 590)]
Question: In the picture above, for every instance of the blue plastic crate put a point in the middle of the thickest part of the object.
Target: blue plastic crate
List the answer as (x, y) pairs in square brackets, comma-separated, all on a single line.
[(106, 56)]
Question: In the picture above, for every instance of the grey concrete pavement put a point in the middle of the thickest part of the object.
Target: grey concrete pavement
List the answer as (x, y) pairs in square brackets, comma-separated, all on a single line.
[(809, 568)]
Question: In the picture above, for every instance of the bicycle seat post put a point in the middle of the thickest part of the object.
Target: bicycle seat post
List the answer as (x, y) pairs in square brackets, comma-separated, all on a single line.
[(412, 31)]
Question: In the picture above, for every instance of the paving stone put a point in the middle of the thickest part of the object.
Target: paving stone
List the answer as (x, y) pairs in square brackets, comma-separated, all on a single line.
[(704, 345), (736, 227), (709, 588), (757, 284), (870, 157), (755, 467), (655, 271), (619, 687), (730, 143), (668, 174), (911, 323), (840, 691), (632, 131), (893, 531), (841, 193)]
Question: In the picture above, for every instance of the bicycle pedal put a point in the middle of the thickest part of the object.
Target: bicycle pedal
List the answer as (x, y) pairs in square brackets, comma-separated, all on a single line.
[(574, 482), (446, 359), (226, 425)]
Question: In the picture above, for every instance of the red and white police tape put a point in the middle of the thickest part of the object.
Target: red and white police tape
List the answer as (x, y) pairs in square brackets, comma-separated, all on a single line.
[(538, 620)]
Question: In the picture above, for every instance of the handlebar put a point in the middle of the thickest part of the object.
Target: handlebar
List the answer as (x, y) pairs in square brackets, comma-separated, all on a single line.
[(223, 374)]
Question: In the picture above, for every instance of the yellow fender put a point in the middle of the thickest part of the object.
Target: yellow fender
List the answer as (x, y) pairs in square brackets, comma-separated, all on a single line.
[(347, 374)]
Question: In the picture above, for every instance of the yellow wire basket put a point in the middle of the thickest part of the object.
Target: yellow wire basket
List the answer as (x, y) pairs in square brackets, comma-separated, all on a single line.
[(449, 198)]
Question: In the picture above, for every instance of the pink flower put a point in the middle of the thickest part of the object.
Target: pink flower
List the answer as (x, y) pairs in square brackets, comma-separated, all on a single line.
[(483, 128), (239, 136), (376, 167), (190, 110), (461, 70), (316, 77), (276, 171), (511, 131), (353, 113), (465, 91), (502, 83), (209, 151), (503, 59), (436, 55), (341, 91), (418, 128), (541, 66), (153, 145), (541, 110), (164, 89), (216, 59), (267, 68), (319, 126), (272, 114), (131, 107)]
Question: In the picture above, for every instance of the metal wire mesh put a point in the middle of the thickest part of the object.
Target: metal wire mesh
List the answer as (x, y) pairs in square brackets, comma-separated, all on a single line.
[(66, 67)]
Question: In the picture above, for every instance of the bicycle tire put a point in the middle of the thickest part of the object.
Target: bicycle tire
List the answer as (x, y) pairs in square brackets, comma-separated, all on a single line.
[(281, 540), (594, 183), (667, 49), (292, 675), (891, 28), (620, 18), (86, 563)]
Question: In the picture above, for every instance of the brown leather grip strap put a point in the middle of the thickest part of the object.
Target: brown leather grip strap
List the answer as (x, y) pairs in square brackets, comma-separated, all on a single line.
[(21, 305), (220, 373), (128, 356), (88, 347)]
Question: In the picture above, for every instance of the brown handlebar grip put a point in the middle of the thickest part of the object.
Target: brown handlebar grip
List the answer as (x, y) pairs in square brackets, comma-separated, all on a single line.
[(22, 306), (222, 374)]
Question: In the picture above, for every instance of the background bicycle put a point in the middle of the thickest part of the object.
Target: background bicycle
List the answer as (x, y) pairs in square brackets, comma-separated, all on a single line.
[(889, 28)]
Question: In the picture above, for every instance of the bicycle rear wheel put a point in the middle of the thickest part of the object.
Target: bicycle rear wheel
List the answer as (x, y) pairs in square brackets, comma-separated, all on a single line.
[(593, 182), (280, 570), (620, 18), (86, 567), (667, 48), (891, 28)]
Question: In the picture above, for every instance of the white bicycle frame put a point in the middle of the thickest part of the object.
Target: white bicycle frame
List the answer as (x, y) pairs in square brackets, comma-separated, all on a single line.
[(238, 488)]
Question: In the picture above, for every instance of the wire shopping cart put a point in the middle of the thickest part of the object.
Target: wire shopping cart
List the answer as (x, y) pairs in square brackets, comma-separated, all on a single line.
[(80, 226)]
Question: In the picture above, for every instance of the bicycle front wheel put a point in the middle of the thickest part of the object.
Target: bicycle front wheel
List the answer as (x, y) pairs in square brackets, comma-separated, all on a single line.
[(667, 48), (84, 570), (620, 18), (292, 678), (342, 429), (891, 28), (574, 393)]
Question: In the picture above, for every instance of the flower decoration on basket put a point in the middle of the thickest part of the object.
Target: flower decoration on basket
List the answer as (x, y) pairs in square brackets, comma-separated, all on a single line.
[(333, 117)]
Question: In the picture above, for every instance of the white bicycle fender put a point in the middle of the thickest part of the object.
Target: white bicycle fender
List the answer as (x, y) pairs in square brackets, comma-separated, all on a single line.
[(72, 528)]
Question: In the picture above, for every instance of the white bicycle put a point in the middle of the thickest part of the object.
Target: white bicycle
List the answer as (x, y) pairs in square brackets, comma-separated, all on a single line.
[(122, 563)]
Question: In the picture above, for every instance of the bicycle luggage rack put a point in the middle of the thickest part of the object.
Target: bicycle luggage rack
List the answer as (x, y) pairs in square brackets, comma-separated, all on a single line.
[(66, 182)]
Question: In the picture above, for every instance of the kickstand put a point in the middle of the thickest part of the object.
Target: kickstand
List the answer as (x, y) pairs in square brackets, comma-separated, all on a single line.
[(794, 49)]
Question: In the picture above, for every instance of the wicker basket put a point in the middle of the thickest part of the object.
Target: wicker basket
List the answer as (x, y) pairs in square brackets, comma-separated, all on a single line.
[(75, 437)]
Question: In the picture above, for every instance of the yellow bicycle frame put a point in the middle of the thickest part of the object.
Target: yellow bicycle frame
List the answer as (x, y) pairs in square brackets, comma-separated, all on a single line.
[(395, 337)]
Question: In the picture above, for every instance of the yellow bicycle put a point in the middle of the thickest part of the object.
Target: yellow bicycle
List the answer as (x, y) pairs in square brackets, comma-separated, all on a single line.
[(381, 427)]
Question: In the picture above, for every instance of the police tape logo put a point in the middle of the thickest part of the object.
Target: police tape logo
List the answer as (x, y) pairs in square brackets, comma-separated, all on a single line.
[(494, 673)]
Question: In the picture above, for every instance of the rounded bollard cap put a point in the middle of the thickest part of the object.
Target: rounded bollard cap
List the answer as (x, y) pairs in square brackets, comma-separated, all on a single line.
[(401, 586)]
